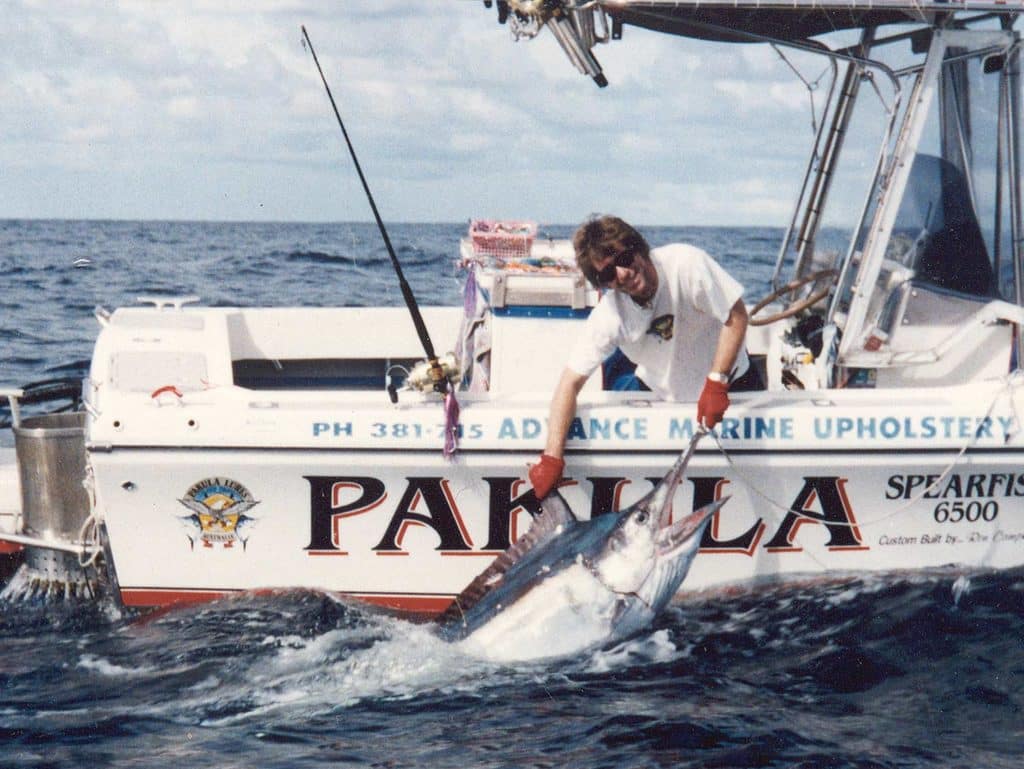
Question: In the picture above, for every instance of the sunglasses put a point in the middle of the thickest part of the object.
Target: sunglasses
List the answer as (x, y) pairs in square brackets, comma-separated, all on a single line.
[(607, 274)]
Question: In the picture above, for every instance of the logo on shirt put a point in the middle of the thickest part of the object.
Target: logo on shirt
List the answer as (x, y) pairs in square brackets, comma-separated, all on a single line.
[(661, 327)]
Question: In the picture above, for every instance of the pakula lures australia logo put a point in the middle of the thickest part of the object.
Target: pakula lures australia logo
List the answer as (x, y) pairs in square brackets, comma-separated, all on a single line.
[(218, 512)]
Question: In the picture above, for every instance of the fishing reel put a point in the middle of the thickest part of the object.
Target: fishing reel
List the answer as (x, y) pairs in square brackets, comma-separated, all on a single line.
[(426, 377)]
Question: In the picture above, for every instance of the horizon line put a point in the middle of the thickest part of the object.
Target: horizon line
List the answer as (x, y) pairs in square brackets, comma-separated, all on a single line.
[(370, 222)]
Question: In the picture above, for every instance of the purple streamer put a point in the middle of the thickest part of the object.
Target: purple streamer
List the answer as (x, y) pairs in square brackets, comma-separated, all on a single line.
[(451, 425), (469, 295)]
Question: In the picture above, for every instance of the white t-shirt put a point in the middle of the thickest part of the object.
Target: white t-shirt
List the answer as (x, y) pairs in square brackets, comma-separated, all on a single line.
[(672, 340)]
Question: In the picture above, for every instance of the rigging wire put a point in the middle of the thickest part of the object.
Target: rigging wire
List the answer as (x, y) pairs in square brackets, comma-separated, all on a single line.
[(810, 85)]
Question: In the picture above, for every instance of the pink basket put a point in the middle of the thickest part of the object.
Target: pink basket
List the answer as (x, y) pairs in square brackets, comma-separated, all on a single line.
[(502, 238)]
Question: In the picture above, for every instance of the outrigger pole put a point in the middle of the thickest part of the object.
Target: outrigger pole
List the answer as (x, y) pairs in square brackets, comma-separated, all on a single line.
[(437, 375)]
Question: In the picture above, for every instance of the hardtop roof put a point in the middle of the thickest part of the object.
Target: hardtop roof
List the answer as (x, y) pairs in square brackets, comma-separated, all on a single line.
[(739, 20)]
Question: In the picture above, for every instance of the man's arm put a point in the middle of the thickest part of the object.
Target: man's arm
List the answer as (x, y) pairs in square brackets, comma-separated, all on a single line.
[(730, 340), (545, 474), (563, 410), (714, 398)]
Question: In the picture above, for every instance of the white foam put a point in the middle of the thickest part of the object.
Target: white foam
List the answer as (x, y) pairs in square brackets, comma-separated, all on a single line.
[(561, 616), (654, 648), (961, 587), (396, 660), (105, 667)]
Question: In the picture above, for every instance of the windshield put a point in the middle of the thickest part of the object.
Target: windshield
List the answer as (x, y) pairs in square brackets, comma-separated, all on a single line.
[(936, 234)]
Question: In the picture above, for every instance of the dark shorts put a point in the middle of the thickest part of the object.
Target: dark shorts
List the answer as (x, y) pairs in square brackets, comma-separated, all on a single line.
[(618, 374)]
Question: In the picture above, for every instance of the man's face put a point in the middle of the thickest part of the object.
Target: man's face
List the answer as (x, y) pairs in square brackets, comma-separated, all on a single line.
[(628, 272)]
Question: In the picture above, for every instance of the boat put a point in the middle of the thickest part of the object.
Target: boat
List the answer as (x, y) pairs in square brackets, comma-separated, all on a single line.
[(223, 449)]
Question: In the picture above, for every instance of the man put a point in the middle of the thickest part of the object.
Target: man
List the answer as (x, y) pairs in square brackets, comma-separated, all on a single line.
[(673, 311)]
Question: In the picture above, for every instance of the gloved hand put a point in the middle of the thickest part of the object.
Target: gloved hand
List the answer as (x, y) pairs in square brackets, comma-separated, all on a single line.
[(545, 474), (714, 400)]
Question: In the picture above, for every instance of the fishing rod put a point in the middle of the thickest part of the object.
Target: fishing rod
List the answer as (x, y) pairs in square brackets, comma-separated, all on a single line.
[(437, 375)]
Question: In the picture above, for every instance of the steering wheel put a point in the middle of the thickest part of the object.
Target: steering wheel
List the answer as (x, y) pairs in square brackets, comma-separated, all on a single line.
[(798, 305)]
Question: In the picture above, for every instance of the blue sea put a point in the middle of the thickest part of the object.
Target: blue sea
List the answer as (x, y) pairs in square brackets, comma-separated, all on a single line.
[(890, 671)]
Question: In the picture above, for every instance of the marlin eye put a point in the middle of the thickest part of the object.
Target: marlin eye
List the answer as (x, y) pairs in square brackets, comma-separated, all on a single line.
[(642, 517)]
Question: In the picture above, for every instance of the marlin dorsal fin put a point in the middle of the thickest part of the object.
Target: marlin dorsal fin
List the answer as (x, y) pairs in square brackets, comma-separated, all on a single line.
[(555, 516)]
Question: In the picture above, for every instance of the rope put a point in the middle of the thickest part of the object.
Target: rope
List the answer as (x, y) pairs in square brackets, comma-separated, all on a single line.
[(870, 77), (1010, 381), (90, 525), (810, 85), (91, 530)]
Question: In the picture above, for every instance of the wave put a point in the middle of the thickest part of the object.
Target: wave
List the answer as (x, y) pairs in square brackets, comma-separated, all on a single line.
[(312, 257), (794, 675)]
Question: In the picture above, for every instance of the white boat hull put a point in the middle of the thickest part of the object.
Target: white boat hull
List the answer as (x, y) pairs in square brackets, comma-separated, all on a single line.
[(376, 512), (10, 500)]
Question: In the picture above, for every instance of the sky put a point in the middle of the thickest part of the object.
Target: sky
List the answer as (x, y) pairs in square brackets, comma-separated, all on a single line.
[(214, 111)]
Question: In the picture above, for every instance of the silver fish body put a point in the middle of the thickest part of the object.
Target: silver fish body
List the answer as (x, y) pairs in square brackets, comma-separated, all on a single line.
[(569, 585)]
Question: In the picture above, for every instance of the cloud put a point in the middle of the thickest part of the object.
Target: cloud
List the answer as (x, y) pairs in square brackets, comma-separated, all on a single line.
[(751, 97), (214, 110)]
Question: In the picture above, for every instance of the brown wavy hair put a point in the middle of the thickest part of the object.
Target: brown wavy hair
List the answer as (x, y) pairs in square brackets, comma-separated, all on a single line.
[(602, 236)]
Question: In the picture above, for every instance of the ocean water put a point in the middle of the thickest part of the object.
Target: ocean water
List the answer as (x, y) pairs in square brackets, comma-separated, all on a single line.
[(889, 671)]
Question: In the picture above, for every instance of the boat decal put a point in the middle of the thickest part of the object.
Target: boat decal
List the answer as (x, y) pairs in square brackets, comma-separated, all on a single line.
[(630, 426), (334, 500), (956, 485), (429, 507), (218, 513), (829, 495), (426, 503), (710, 489), (334, 429), (962, 427)]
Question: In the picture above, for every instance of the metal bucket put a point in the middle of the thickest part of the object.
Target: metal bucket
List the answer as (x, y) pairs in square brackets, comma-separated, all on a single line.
[(51, 466)]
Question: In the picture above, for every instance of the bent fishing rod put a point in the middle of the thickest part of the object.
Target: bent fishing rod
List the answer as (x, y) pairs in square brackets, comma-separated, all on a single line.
[(437, 375)]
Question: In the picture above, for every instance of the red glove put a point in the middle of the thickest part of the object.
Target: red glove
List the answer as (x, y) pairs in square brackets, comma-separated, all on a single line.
[(545, 474), (714, 400)]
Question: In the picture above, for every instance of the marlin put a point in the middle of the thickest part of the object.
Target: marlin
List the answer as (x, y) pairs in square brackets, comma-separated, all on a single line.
[(567, 586)]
